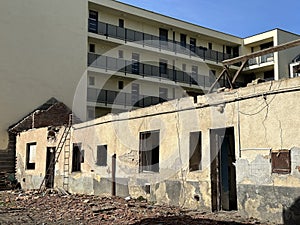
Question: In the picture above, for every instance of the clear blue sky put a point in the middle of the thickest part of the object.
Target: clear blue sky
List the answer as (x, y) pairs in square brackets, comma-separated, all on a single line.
[(238, 17)]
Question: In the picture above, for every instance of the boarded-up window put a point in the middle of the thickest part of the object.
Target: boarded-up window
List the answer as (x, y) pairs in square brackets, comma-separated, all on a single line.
[(195, 151), (149, 151), (30, 156), (281, 161), (101, 155)]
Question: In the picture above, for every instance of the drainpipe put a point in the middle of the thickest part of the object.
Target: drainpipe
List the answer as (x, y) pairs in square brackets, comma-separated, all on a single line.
[(113, 187)]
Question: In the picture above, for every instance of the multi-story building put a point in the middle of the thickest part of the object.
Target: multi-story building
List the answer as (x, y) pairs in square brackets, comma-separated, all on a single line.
[(138, 58), (115, 57)]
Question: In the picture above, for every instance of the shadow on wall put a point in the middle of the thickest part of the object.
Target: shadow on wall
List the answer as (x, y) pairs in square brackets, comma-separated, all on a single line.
[(291, 215)]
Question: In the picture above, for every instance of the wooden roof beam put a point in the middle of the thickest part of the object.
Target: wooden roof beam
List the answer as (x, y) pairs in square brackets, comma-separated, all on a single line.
[(262, 52)]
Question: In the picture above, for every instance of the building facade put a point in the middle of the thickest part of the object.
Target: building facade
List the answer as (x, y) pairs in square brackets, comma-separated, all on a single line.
[(104, 52), (235, 150)]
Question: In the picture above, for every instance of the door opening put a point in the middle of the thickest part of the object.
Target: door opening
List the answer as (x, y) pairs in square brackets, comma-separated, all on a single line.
[(223, 172), (49, 179)]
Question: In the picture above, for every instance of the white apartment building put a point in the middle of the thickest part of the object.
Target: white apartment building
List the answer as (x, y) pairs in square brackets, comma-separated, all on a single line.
[(138, 58)]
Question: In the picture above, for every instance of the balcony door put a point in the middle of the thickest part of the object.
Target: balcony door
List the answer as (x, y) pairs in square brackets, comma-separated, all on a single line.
[(135, 93), (93, 21), (135, 63)]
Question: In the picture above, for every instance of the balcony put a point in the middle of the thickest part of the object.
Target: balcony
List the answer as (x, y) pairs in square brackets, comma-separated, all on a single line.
[(261, 59), (145, 70), (128, 35), (108, 97)]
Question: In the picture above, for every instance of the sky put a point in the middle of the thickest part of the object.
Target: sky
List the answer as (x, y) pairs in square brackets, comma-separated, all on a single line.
[(241, 18)]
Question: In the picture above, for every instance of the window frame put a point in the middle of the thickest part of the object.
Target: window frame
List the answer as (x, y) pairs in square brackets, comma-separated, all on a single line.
[(30, 165)]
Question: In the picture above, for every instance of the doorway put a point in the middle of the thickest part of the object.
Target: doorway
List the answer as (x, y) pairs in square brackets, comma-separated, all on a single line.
[(223, 171), (49, 179)]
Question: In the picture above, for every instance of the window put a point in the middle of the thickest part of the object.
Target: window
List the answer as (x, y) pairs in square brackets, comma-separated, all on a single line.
[(183, 40), (93, 21), (121, 54), (30, 156), (194, 75), (78, 158), (193, 44), (163, 34), (121, 85), (163, 94), (92, 48), (135, 67), (210, 46), (91, 113), (121, 23), (266, 45), (195, 151), (183, 67), (149, 151), (91, 81), (135, 93), (228, 50), (163, 66), (281, 161), (101, 155)]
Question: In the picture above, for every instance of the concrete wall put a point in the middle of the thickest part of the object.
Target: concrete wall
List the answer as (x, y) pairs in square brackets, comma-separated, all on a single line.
[(262, 117), (43, 55)]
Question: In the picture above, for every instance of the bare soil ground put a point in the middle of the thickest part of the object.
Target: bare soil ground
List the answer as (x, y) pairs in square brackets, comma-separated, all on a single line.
[(59, 208)]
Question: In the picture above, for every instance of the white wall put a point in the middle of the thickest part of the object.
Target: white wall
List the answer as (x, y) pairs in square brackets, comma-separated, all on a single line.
[(43, 55)]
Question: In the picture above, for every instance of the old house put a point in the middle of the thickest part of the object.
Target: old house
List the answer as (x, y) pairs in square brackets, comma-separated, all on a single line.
[(234, 150)]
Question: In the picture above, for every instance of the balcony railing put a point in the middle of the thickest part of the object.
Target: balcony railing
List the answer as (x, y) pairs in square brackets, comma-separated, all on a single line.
[(122, 98), (261, 59), (144, 39), (146, 70)]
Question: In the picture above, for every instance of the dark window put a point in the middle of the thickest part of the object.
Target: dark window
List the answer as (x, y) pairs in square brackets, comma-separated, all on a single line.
[(252, 49), (195, 151), (281, 161), (76, 159), (210, 46), (149, 151), (266, 45), (163, 34), (92, 48), (183, 67), (269, 75), (183, 40), (30, 156), (193, 44), (228, 50), (121, 85), (121, 54), (163, 65), (93, 21), (101, 155), (121, 23)]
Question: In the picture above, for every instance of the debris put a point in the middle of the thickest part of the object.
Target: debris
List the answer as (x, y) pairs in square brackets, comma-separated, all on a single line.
[(36, 208)]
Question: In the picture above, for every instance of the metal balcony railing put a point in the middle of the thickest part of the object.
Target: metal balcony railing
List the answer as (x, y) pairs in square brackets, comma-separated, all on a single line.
[(147, 70), (261, 59), (144, 39), (122, 98)]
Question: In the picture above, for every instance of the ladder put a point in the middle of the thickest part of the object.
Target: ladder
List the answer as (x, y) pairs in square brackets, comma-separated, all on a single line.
[(63, 142)]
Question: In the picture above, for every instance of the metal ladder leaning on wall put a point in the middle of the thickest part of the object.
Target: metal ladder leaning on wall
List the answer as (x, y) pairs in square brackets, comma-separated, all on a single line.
[(64, 143)]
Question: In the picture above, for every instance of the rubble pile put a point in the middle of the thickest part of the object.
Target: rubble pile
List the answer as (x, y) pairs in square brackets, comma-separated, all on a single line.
[(57, 207)]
